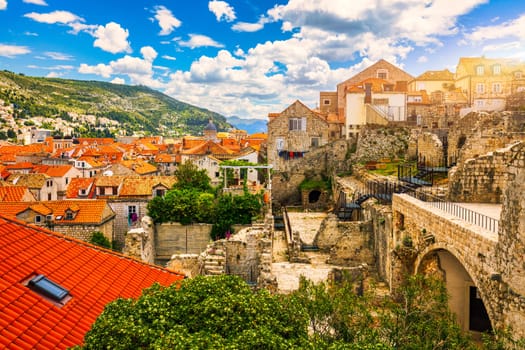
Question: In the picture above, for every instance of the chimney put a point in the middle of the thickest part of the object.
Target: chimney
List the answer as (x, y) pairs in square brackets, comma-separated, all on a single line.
[(368, 93)]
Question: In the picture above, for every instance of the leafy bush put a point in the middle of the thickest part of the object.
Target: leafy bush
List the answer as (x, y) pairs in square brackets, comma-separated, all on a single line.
[(99, 239)]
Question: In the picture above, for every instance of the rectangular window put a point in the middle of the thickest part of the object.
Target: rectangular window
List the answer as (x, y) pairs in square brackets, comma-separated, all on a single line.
[(480, 88), (159, 192), (496, 88), (382, 74), (314, 142), (480, 70), (496, 69), (518, 75), (326, 102), (49, 183), (132, 209), (48, 288), (479, 103), (49, 196), (38, 219), (297, 124)]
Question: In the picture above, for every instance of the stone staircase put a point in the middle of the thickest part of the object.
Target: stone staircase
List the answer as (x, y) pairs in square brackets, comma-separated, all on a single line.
[(214, 261)]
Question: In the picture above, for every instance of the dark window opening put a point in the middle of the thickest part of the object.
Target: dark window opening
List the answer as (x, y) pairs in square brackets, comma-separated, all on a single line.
[(478, 316), (313, 196), (49, 289)]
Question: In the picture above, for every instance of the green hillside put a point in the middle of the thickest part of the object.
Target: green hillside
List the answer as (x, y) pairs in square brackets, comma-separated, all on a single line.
[(136, 108)]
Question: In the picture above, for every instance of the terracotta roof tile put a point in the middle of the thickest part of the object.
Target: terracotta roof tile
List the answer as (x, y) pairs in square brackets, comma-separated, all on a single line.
[(77, 185), (31, 321), (86, 211), (53, 170), (438, 75), (143, 186), (15, 194)]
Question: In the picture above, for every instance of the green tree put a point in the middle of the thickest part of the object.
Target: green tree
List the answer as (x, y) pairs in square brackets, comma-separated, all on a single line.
[(190, 176), (99, 239), (201, 313), (420, 317)]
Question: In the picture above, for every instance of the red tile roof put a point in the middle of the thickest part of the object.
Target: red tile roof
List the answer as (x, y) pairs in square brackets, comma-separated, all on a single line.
[(79, 183), (53, 170), (15, 194), (94, 277), (87, 211)]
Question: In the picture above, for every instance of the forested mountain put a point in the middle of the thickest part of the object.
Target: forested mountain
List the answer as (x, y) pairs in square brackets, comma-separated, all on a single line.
[(136, 108)]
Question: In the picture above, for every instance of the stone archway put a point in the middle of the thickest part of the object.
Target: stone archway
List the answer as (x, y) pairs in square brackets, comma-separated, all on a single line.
[(466, 295)]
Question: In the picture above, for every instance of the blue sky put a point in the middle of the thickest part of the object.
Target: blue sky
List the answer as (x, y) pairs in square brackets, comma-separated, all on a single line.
[(247, 58)]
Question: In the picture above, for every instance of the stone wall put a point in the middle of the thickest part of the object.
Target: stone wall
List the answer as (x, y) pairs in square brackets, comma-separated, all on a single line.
[(511, 245), (122, 224), (493, 262), (321, 162), (430, 149), (354, 248), (140, 242), (85, 232), (479, 133), (482, 179), (187, 264), (375, 143), (174, 238)]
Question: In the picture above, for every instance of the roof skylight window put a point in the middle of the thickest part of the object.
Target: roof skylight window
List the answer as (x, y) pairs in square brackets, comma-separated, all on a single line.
[(49, 289)]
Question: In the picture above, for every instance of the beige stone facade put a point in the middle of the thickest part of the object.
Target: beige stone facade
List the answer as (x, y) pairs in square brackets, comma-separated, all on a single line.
[(487, 81), (293, 133)]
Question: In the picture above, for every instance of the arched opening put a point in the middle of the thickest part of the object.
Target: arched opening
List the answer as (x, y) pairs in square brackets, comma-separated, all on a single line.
[(313, 196), (464, 297)]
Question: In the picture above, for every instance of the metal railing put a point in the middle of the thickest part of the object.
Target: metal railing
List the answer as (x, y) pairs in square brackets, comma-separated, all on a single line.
[(459, 211)]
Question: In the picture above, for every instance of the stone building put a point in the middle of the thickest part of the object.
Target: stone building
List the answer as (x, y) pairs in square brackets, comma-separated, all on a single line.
[(74, 218), (294, 132), (379, 70), (488, 81)]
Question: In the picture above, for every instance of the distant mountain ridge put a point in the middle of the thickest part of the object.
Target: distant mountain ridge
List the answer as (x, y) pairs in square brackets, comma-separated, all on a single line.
[(136, 108), (252, 126)]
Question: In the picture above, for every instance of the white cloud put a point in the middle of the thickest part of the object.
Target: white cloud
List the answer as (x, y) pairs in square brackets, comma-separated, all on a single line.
[(138, 70), (251, 27), (58, 56), (169, 58), (112, 38), (509, 29), (64, 17), (3, 4), (118, 81), (167, 21), (54, 74), (198, 40), (422, 59), (103, 70), (148, 53), (222, 10), (11, 51), (30, 34), (247, 27), (36, 2)]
